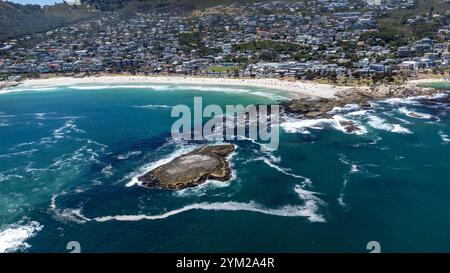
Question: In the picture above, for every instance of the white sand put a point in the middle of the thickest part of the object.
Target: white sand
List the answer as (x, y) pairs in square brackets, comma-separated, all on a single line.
[(426, 80), (295, 88)]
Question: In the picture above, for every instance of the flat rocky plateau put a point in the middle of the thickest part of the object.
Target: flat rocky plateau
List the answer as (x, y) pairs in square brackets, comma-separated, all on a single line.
[(191, 169)]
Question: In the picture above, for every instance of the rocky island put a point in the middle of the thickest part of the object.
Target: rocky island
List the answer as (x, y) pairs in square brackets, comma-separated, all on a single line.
[(191, 169)]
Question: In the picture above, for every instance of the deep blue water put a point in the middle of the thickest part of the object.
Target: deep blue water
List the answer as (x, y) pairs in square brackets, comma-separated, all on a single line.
[(68, 155)]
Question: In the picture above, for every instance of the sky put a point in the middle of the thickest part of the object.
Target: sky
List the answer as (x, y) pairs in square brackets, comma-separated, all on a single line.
[(39, 2)]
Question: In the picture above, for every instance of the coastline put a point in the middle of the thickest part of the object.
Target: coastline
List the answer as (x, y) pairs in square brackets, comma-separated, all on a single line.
[(313, 108), (417, 82), (306, 97), (297, 89)]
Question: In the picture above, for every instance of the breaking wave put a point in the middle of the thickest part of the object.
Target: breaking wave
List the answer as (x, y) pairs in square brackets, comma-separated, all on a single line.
[(202, 189), (444, 136), (308, 211), (103, 87), (347, 108), (153, 106), (292, 125), (68, 127), (413, 114), (188, 87), (269, 162), (128, 155), (381, 124), (35, 89), (270, 96), (13, 238)]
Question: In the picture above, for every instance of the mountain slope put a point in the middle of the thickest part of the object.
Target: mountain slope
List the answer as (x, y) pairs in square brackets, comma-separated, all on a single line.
[(17, 20)]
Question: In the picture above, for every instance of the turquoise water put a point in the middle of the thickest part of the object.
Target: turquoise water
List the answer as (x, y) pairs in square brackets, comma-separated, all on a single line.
[(69, 153), (439, 85)]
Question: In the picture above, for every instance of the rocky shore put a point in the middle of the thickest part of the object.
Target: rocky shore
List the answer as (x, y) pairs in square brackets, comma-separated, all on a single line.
[(191, 169), (7, 84), (312, 108)]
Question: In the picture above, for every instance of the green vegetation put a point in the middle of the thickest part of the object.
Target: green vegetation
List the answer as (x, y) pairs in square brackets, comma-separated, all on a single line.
[(269, 45), (193, 41), (222, 69), (17, 20), (270, 49), (393, 27)]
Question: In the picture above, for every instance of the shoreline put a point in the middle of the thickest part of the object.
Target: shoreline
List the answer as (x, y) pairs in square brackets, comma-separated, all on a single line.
[(313, 108), (296, 89)]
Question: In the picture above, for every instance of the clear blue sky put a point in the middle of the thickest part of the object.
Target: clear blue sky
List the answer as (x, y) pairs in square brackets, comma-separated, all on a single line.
[(39, 2)]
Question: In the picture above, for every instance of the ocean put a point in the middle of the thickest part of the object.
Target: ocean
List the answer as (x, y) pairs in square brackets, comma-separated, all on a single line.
[(69, 156)]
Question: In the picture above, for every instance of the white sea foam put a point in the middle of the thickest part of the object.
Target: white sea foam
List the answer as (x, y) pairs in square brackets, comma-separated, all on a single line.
[(400, 101), (292, 125), (22, 153), (269, 96), (4, 120), (40, 115), (51, 116), (107, 170), (13, 238), (7, 177), (342, 193), (341, 200), (53, 201), (381, 124), (4, 115), (271, 160), (202, 189), (153, 106), (47, 141), (414, 114), (230, 89), (308, 210), (103, 87), (397, 128), (337, 124), (285, 171), (413, 100), (355, 168), (72, 215), (312, 202), (346, 108), (36, 89), (68, 127), (128, 155), (402, 120), (358, 113), (84, 155), (161, 88), (24, 144), (308, 195), (444, 136), (134, 176)]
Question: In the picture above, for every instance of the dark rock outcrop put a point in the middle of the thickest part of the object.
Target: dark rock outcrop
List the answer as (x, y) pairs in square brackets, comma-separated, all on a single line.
[(191, 169), (313, 108)]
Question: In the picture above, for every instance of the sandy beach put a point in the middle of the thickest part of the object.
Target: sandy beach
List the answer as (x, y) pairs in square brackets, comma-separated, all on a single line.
[(296, 89), (426, 80)]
